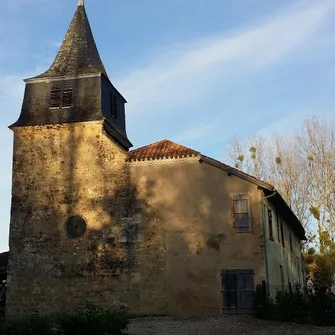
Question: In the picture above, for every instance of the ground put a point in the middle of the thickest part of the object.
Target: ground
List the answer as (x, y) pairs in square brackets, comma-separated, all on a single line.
[(231, 325)]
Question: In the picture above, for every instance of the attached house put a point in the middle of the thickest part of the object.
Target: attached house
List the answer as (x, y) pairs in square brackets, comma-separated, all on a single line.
[(162, 229), (285, 266)]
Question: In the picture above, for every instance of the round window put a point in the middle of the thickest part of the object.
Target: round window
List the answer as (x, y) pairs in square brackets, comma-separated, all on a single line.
[(75, 226)]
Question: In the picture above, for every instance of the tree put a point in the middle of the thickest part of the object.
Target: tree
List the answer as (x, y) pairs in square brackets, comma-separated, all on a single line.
[(321, 266), (301, 167), (317, 147), (250, 155)]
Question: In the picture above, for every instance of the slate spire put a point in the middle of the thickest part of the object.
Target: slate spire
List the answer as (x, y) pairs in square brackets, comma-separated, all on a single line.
[(78, 54)]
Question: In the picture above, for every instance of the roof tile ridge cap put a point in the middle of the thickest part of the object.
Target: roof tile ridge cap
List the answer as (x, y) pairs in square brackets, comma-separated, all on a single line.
[(144, 146)]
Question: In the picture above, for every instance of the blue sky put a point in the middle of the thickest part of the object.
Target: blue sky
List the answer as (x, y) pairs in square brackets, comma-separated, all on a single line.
[(194, 71)]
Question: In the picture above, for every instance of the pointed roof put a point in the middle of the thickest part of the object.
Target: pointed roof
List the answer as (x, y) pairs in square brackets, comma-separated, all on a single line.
[(78, 53), (160, 150)]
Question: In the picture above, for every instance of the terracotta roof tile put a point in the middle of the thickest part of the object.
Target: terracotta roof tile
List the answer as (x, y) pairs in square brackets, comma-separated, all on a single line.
[(160, 150)]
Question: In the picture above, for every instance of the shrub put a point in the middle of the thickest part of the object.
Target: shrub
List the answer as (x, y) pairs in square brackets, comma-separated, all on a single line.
[(322, 304), (292, 305), (34, 325), (87, 319), (264, 307), (283, 306), (316, 305), (300, 307)]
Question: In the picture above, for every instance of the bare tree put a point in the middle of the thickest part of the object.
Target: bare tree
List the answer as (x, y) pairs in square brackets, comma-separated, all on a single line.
[(301, 167), (317, 147), (287, 175), (237, 153), (250, 155)]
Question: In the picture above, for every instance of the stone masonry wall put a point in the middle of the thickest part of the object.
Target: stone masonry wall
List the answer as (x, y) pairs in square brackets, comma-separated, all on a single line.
[(157, 236), (59, 171)]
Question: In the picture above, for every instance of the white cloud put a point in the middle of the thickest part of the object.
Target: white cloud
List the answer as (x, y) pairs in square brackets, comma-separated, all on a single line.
[(188, 73), (290, 123), (193, 133)]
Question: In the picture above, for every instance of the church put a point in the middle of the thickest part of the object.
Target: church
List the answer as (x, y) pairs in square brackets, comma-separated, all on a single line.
[(161, 229)]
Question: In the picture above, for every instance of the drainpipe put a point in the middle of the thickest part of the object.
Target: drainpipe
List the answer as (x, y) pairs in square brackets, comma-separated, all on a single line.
[(269, 196), (265, 240)]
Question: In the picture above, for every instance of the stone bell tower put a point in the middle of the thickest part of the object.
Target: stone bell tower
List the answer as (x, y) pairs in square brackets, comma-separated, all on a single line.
[(76, 88), (70, 181)]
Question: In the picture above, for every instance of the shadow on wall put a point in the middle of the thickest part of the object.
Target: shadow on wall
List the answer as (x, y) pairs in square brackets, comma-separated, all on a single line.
[(194, 271), (194, 201), (59, 171), (157, 237)]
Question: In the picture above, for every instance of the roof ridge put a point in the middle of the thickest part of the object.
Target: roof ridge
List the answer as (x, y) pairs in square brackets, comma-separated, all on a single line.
[(158, 153), (161, 149), (237, 172), (158, 142)]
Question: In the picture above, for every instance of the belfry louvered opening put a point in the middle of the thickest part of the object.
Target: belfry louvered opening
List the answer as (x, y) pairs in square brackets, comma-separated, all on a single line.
[(55, 96), (67, 96), (61, 96)]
